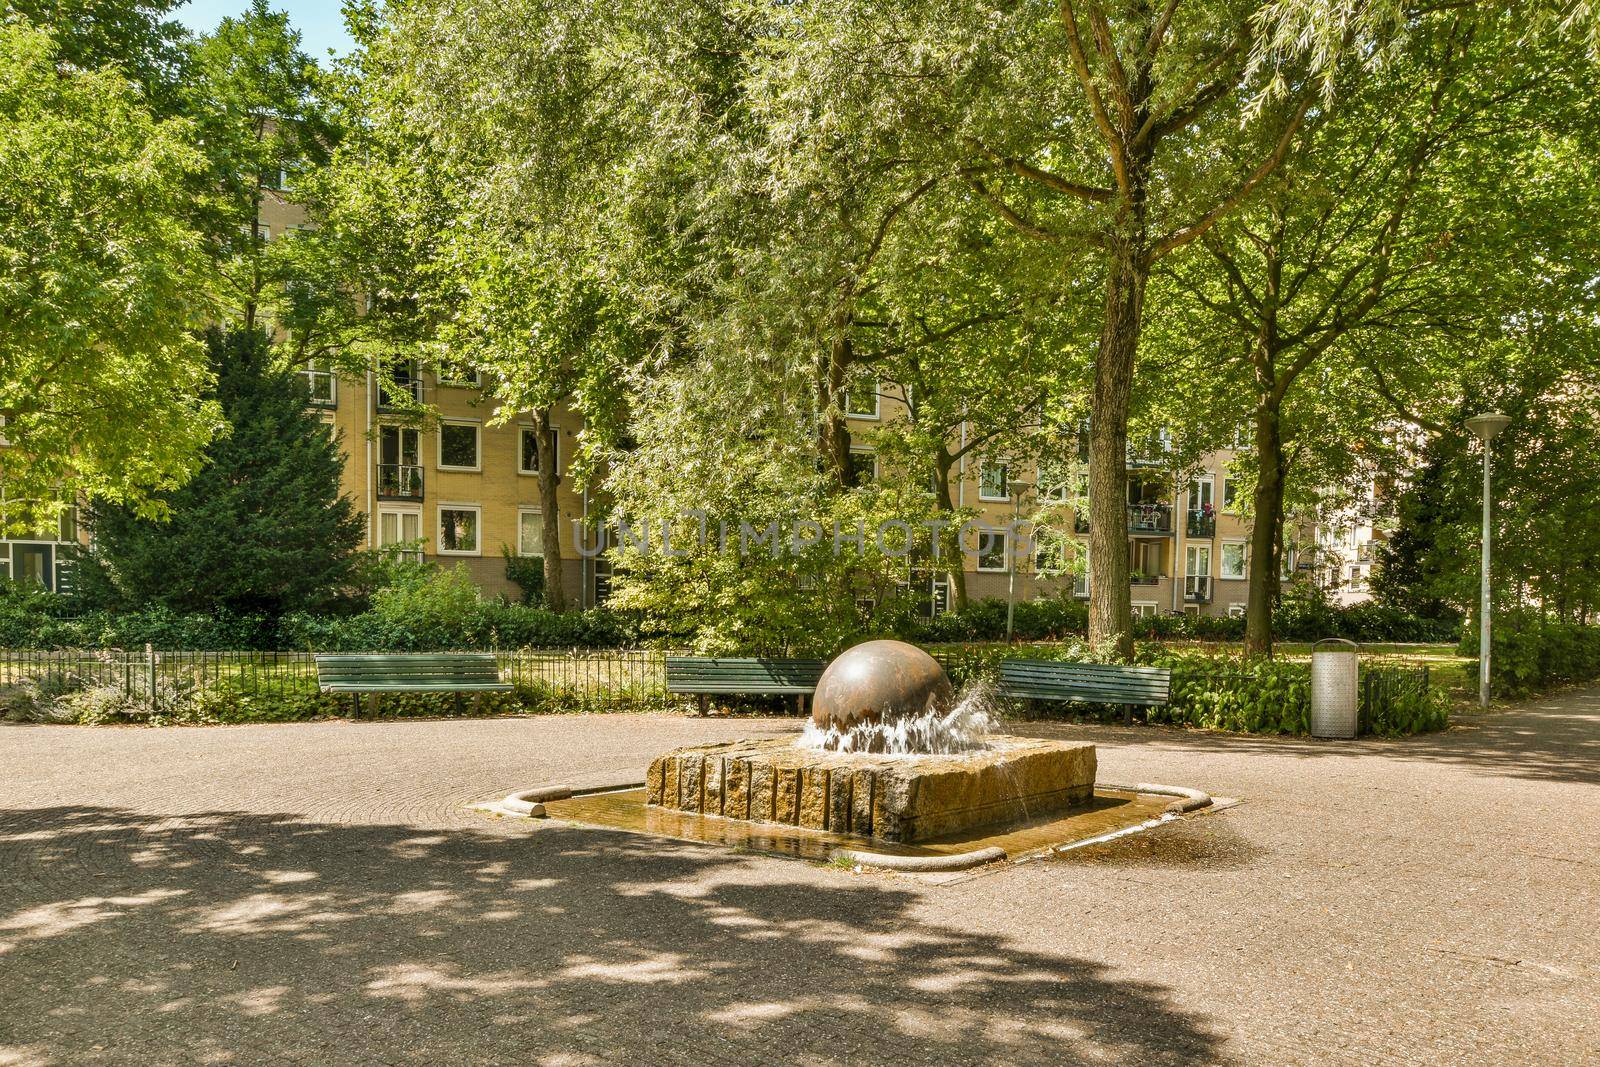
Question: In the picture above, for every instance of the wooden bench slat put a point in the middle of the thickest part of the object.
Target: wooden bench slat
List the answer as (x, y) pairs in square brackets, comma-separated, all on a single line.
[(473, 672), (1089, 683), (731, 675)]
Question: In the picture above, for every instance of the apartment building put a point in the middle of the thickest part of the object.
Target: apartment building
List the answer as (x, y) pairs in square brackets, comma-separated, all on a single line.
[(1188, 539)]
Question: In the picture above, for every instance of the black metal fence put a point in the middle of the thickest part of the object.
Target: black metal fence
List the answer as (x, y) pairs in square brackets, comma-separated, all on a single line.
[(631, 673)]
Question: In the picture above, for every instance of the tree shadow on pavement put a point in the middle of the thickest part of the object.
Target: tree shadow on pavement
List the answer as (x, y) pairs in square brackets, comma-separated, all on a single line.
[(229, 937)]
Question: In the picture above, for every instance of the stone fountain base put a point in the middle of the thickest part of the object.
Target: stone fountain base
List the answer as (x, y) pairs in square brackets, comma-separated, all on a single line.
[(892, 798)]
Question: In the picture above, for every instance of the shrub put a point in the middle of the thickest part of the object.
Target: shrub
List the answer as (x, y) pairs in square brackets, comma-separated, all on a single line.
[(1531, 652)]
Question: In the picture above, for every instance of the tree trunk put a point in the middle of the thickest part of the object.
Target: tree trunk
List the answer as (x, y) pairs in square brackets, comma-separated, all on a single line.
[(947, 506), (1264, 533), (1110, 611), (835, 433), (555, 593)]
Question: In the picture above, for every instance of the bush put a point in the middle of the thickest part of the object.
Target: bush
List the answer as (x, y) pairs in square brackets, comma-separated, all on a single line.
[(1226, 691), (1530, 653)]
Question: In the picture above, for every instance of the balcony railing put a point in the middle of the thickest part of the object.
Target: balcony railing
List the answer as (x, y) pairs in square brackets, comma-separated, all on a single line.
[(1202, 524), (1142, 519), (1197, 588), (1145, 579), (1150, 518), (399, 481)]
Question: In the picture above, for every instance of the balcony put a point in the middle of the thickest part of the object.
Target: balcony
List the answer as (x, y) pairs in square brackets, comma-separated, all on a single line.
[(1197, 589), (399, 481), (1150, 518), (1144, 579), (1142, 519), (1202, 524)]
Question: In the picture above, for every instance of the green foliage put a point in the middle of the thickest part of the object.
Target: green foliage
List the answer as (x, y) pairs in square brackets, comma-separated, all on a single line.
[(103, 279), (527, 573), (263, 528), (1530, 652)]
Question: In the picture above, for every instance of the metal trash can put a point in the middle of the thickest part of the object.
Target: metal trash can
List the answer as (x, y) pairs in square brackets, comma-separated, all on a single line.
[(1335, 688)]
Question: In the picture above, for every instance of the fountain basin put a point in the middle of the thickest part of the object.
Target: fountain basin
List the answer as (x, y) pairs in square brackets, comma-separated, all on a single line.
[(892, 798)]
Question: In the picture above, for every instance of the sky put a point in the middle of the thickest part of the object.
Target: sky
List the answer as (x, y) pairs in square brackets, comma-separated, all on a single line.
[(319, 21)]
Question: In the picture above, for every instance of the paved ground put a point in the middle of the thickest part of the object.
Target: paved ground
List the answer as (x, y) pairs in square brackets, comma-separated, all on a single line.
[(315, 894)]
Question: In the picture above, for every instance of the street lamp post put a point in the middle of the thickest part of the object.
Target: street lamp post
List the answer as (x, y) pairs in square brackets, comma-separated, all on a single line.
[(1018, 490), (1485, 427)]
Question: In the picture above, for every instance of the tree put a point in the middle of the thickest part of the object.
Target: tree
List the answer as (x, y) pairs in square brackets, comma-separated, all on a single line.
[(133, 37), (103, 281), (262, 528), (255, 95)]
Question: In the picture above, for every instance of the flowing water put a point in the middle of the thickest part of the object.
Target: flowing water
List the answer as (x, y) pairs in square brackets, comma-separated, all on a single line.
[(964, 728)]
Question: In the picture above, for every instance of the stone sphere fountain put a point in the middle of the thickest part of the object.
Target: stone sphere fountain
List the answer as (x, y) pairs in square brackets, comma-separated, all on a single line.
[(878, 681), (891, 753)]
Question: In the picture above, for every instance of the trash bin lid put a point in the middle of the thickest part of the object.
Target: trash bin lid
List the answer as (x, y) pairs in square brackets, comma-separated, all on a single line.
[(1335, 644)]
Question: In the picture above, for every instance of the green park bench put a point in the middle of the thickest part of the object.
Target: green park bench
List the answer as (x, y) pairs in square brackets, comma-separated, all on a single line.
[(1086, 683), (703, 677), (376, 674)]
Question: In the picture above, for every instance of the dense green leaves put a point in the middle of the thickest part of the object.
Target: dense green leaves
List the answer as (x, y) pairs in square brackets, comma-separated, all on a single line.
[(262, 528), (102, 279)]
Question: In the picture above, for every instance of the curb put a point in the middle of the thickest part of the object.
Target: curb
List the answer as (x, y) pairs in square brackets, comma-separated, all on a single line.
[(529, 803), (1189, 799), (920, 864)]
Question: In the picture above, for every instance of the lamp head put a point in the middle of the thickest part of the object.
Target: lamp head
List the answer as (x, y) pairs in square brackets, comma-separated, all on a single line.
[(1487, 425)]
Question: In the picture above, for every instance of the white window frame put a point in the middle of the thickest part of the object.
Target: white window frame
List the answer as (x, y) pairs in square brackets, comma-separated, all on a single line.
[(1236, 610), (1190, 552), (555, 435), (477, 431), (1005, 551), (475, 382), (438, 529), (1145, 609), (422, 539), (877, 402), (1244, 560), (522, 550), (1210, 482), (867, 450), (321, 369), (1006, 468)]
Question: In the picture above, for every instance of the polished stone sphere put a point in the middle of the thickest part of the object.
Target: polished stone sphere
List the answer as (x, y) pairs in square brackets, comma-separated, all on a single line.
[(879, 681)]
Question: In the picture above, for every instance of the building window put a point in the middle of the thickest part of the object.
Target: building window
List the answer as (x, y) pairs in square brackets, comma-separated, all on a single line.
[(457, 375), (530, 532), (992, 550), (994, 481), (528, 450), (321, 382), (861, 399), (401, 533), (458, 530), (398, 385), (1201, 494), (1230, 494), (1144, 609), (863, 465), (1234, 559), (1236, 610), (458, 446), (399, 468)]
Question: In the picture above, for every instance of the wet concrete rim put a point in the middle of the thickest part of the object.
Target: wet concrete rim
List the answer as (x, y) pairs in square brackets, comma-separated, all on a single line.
[(530, 804)]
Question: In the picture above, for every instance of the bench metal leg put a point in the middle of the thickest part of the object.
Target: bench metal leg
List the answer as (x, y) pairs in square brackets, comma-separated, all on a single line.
[(355, 705), (701, 700), (802, 705), (458, 701), (1127, 714)]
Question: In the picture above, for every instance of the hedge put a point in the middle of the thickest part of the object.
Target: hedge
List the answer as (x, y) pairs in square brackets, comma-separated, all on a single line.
[(1298, 618), (1227, 691), (1530, 653)]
